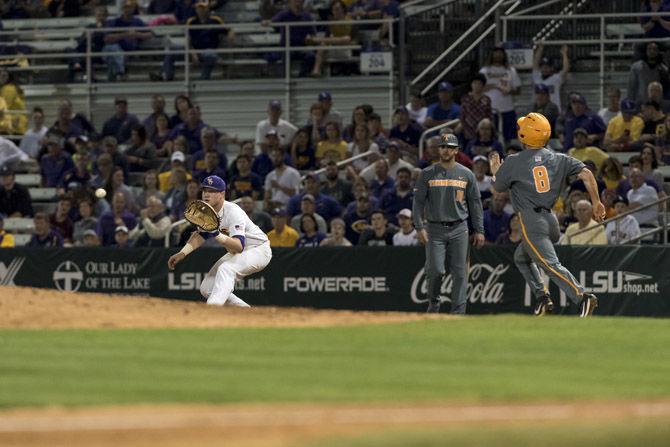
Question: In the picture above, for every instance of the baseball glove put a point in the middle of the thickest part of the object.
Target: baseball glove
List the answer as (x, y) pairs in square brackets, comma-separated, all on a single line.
[(202, 215)]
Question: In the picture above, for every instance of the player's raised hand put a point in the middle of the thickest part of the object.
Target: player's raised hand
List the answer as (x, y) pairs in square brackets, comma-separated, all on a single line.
[(494, 162), (599, 212)]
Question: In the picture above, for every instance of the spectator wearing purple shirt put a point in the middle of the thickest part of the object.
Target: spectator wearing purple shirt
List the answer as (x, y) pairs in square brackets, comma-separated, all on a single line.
[(191, 130), (582, 116), (405, 131), (358, 218), (201, 39), (44, 236), (210, 167), (311, 237), (401, 197), (158, 109), (55, 163), (445, 109), (118, 215), (655, 27), (121, 124), (119, 42), (326, 206), (496, 220), (382, 181), (299, 36)]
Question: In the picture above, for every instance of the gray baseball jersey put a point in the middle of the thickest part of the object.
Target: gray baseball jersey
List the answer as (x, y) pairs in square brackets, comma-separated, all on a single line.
[(535, 178), (447, 195)]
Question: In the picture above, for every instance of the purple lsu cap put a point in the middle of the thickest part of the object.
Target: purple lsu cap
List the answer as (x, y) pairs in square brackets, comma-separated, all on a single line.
[(214, 182)]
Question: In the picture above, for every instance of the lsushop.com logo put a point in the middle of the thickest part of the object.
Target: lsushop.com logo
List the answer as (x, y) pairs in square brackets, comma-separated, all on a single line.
[(484, 285)]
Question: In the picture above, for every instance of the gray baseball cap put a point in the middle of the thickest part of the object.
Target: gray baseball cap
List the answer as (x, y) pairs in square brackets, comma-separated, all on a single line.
[(449, 140)]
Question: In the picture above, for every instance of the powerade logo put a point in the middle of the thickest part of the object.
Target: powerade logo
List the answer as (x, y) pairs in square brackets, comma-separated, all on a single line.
[(302, 284), (483, 285), (618, 282)]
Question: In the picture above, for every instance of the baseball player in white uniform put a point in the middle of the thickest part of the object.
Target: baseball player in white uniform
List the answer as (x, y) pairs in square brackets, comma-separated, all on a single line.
[(248, 247)]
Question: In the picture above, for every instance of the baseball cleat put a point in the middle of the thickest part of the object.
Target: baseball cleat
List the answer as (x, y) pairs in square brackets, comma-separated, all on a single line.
[(544, 306), (433, 307), (587, 305)]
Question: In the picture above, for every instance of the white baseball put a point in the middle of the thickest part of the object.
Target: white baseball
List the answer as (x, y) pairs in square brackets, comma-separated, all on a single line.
[(100, 193)]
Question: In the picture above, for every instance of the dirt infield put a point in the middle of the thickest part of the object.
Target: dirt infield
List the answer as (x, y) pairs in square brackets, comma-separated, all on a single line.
[(24, 307), (283, 425)]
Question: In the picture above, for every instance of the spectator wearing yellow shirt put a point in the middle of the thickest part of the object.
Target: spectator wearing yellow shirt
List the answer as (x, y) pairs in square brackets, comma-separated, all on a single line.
[(624, 129), (582, 152), (282, 235), (5, 119), (177, 160), (13, 96), (584, 214), (6, 239), (333, 147)]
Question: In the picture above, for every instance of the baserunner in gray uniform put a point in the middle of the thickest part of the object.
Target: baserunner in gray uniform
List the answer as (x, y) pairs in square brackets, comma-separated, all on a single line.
[(535, 178), (445, 195)]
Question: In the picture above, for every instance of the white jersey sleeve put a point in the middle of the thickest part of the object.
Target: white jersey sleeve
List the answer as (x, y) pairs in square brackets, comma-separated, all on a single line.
[(235, 223)]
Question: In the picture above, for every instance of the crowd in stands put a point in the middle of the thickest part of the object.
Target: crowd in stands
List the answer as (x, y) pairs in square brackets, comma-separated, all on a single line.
[(151, 167), (205, 40)]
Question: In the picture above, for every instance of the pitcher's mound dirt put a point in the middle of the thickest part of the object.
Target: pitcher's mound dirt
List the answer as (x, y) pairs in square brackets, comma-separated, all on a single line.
[(24, 307)]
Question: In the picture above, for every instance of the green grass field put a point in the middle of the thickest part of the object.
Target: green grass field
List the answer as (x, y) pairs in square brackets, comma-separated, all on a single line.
[(478, 359)]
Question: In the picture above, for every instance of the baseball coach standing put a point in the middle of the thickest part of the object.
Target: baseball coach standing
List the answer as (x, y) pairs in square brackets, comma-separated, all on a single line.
[(445, 195)]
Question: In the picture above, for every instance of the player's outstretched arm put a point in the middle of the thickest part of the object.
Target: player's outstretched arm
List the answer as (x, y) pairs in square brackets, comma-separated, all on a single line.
[(589, 180), (194, 242)]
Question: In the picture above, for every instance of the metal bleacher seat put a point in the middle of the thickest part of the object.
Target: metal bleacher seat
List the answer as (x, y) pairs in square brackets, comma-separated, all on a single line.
[(623, 157), (19, 224), (21, 239), (28, 179), (43, 194), (665, 170), (45, 207)]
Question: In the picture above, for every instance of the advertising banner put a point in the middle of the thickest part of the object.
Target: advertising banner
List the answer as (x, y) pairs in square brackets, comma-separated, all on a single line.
[(627, 280)]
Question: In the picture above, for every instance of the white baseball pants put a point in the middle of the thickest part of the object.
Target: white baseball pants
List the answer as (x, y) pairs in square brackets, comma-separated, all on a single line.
[(217, 286)]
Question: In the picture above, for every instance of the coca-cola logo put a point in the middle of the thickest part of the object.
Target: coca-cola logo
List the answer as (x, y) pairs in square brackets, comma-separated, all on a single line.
[(484, 285)]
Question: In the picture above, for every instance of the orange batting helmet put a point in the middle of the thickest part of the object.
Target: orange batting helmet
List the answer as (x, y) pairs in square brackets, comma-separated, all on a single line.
[(534, 130)]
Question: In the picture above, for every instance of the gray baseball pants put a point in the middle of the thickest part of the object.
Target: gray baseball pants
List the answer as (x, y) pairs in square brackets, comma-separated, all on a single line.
[(448, 245), (540, 231)]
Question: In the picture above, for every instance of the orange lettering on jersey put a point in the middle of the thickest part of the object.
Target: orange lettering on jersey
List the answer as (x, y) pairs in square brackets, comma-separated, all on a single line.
[(447, 182)]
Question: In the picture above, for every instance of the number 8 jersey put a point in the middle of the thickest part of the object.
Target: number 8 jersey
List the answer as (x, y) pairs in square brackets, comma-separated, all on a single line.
[(535, 177)]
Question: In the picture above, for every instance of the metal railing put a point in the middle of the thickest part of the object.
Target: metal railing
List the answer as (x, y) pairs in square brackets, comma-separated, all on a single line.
[(599, 20), (183, 51), (454, 44), (662, 228), (341, 163), (426, 132)]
